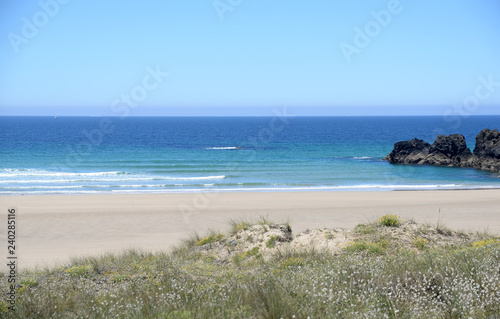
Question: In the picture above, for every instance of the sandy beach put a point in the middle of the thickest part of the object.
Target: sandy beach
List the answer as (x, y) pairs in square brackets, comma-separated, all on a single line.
[(52, 229)]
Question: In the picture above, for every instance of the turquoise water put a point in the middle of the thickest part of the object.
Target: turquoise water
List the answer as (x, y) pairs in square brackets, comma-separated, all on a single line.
[(46, 155)]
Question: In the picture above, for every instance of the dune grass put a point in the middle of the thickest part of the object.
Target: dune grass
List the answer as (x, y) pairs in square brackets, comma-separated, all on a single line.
[(373, 276)]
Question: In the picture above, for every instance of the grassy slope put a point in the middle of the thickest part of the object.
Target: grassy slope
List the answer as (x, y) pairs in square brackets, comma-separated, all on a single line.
[(259, 270)]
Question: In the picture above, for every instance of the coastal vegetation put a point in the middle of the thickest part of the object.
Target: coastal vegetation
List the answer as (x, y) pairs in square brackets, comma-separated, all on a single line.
[(390, 268)]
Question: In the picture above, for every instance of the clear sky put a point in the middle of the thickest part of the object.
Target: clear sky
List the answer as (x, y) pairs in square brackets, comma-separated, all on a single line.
[(245, 57)]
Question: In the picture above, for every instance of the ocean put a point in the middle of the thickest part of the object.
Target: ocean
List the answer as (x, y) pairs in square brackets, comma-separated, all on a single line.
[(88, 155)]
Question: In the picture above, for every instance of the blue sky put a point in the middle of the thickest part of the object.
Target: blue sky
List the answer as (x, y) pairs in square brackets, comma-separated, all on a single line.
[(246, 57)]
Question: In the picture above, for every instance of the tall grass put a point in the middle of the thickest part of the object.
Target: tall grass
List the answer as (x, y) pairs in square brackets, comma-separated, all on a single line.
[(394, 281)]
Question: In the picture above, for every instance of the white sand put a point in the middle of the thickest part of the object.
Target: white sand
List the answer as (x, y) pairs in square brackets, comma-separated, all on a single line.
[(51, 229)]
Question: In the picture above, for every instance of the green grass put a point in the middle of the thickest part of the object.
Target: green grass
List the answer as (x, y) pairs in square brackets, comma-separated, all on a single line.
[(271, 242), (374, 276), (329, 235), (389, 220), (264, 220), (237, 226), (80, 271), (420, 243), (210, 239), (366, 246), (248, 254), (365, 229), (292, 262)]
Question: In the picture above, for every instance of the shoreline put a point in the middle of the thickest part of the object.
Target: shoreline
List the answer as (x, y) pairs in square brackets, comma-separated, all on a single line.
[(267, 190), (54, 228)]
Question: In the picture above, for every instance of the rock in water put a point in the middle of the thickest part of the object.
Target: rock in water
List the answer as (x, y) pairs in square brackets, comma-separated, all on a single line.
[(450, 150), (409, 152), (487, 151), (446, 150)]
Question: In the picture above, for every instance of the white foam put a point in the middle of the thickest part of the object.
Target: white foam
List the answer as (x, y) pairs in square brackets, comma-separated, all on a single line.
[(44, 187), (194, 178), (32, 172), (224, 148), (83, 177), (79, 180)]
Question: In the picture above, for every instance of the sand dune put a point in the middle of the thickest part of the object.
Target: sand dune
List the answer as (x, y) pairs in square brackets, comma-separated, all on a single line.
[(51, 229)]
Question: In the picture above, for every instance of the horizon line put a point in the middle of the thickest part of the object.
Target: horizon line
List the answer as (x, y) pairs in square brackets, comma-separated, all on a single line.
[(291, 115)]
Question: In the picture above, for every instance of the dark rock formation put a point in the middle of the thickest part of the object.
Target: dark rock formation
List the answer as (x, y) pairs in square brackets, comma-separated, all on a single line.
[(487, 151), (446, 150), (408, 152), (450, 150)]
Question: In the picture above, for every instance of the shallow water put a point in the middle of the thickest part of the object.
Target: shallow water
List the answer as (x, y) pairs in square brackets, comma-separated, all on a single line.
[(44, 155)]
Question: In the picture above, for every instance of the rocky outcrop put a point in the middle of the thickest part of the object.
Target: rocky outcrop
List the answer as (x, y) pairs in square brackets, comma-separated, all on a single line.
[(409, 152), (450, 150), (487, 151)]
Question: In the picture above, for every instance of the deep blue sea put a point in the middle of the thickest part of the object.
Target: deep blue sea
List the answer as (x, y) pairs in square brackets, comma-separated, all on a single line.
[(81, 155)]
